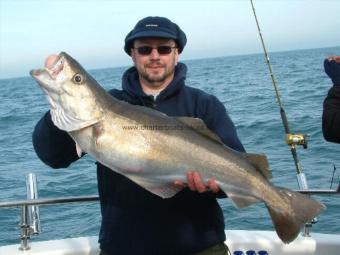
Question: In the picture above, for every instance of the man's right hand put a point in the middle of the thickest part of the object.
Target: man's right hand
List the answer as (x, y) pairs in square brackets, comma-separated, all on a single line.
[(195, 183), (332, 68)]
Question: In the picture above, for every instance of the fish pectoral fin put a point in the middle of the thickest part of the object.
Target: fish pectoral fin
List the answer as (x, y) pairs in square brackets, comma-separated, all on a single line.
[(260, 162), (163, 190), (79, 150), (199, 126), (242, 201), (300, 209)]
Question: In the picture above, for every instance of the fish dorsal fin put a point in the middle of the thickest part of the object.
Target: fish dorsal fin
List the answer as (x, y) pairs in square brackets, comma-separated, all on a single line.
[(260, 162), (199, 126), (126, 108), (150, 111)]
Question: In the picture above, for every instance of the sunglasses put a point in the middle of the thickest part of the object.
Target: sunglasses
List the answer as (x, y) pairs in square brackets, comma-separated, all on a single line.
[(162, 50)]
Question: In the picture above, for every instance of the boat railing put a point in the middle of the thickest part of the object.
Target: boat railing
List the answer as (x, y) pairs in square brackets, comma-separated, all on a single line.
[(30, 218), (50, 201)]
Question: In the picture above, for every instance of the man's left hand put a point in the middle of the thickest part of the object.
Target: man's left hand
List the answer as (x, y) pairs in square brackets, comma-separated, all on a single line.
[(195, 183), (332, 69)]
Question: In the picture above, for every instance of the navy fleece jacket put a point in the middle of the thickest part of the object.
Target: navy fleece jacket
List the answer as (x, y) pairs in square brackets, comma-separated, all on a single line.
[(331, 115), (331, 105), (135, 221)]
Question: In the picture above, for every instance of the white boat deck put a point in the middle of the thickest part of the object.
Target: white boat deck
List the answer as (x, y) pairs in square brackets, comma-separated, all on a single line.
[(237, 240), (321, 244)]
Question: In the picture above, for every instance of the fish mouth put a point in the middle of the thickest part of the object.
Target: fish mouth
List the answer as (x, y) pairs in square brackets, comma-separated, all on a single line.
[(54, 64)]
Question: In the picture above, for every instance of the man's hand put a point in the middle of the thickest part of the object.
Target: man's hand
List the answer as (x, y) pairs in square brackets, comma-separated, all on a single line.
[(335, 58), (332, 68), (195, 183)]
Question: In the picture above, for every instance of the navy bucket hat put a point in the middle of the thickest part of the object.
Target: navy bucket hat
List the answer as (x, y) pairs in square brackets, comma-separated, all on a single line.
[(155, 27)]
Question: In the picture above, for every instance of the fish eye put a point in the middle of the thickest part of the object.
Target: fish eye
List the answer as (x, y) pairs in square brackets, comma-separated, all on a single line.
[(78, 78)]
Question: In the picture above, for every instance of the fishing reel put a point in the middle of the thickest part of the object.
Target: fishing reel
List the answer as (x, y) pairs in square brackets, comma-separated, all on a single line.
[(297, 139)]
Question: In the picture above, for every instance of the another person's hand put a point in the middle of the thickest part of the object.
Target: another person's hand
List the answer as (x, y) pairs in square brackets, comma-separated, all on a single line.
[(195, 183), (332, 68)]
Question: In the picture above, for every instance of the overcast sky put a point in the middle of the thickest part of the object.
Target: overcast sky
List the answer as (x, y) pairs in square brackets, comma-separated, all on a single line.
[(93, 32)]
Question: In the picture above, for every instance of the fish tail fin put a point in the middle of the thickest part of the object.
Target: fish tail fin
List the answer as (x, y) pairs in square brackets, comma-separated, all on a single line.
[(300, 210)]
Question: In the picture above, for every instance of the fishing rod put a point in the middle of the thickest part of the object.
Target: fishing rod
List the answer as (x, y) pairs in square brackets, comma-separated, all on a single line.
[(292, 140)]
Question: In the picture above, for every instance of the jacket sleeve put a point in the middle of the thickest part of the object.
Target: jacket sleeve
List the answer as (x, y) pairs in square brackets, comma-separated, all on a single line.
[(53, 146), (218, 120), (331, 115)]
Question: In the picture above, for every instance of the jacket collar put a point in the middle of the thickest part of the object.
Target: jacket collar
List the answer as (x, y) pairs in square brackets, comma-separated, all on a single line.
[(131, 84)]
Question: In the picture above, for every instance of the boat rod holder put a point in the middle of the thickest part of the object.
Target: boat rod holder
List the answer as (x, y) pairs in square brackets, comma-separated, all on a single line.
[(30, 218)]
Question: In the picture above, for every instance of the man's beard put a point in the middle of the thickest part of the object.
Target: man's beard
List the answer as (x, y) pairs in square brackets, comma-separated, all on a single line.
[(156, 79)]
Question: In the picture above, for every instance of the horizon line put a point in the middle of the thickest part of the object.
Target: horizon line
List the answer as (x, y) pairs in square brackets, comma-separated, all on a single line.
[(190, 59)]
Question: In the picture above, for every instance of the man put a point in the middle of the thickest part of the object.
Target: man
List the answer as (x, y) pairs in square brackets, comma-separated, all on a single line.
[(331, 105), (134, 221)]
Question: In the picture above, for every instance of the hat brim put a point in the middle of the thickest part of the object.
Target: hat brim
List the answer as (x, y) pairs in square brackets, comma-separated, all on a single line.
[(147, 34), (152, 33)]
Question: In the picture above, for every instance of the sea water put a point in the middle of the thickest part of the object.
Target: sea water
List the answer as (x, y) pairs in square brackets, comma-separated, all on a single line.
[(244, 86)]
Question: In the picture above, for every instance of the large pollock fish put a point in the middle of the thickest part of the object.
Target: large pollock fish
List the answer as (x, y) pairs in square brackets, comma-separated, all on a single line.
[(154, 150)]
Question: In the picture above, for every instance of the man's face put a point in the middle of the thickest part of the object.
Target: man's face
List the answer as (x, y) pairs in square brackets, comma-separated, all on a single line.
[(156, 68)]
